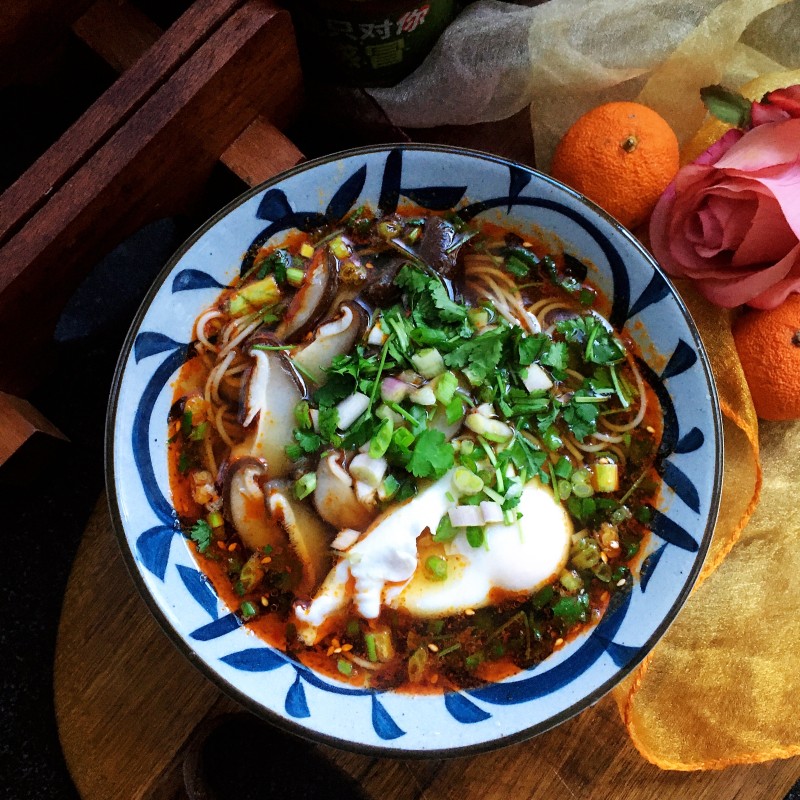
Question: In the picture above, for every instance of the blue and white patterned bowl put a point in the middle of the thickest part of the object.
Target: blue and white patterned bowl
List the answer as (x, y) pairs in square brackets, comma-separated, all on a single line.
[(264, 679)]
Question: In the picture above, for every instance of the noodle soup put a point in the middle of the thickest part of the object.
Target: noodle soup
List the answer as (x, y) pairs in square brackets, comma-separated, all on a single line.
[(412, 453)]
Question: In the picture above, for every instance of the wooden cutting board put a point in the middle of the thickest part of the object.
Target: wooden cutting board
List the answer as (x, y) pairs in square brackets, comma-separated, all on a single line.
[(130, 710)]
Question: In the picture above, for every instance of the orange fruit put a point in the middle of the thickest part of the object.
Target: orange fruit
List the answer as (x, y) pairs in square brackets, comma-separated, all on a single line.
[(768, 343), (620, 155)]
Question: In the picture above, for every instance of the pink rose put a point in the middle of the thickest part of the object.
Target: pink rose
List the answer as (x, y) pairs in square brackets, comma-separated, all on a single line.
[(730, 220)]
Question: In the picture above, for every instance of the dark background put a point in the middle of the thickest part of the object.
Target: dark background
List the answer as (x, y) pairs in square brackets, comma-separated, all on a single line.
[(43, 513)]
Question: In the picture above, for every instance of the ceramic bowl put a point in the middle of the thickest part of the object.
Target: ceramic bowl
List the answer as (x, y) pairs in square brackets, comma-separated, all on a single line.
[(264, 679)]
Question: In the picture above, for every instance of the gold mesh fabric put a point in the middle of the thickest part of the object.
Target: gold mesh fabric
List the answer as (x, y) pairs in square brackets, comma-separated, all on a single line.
[(721, 687)]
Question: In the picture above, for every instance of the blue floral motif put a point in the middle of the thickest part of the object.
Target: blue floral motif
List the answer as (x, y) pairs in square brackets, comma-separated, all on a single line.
[(199, 587), (655, 291), (188, 280), (153, 547), (692, 441), (296, 705), (463, 709), (648, 566), (382, 722), (434, 198), (219, 627)]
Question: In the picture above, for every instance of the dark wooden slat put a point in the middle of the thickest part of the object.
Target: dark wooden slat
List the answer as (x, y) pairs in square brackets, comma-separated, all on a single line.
[(149, 166), (109, 113), (118, 32)]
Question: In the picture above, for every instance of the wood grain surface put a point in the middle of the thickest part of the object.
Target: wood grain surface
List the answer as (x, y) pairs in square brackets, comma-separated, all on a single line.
[(127, 704)]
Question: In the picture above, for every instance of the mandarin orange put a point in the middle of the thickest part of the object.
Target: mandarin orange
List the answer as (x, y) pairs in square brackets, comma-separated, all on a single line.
[(620, 155), (768, 343)]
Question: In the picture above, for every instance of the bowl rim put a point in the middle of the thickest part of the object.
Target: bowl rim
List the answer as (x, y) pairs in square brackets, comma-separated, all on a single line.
[(272, 716)]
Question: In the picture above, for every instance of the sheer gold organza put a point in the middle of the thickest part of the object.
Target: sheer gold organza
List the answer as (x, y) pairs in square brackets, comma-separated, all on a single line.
[(721, 687)]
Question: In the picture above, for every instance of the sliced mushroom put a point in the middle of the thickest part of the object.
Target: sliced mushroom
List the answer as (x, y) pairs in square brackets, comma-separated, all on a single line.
[(436, 247), (309, 537), (271, 392), (335, 497), (380, 289), (244, 504), (332, 339), (312, 299)]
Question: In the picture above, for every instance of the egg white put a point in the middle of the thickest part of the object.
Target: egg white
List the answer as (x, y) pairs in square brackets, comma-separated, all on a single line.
[(384, 568)]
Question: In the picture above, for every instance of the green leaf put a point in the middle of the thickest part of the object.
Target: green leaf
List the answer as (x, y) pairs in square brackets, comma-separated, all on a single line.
[(581, 418), (200, 534), (530, 347), (308, 441), (449, 310), (432, 455), (479, 357), (727, 105), (555, 356), (328, 420)]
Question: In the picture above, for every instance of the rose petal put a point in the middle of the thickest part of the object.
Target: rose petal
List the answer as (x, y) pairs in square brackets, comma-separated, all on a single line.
[(768, 238), (709, 230), (775, 295), (784, 186), (745, 287), (658, 231), (763, 147), (719, 148), (787, 99), (761, 113)]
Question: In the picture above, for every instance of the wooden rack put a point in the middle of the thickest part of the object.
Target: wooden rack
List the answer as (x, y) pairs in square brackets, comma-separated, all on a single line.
[(218, 85)]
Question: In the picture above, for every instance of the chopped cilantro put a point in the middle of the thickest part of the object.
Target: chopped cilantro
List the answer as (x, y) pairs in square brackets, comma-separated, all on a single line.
[(328, 420), (432, 455), (581, 418), (555, 355), (600, 347), (308, 442), (200, 534), (275, 263), (531, 347), (480, 356)]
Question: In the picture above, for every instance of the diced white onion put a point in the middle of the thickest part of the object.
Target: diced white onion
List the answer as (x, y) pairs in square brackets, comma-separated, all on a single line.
[(365, 494), (492, 429), (314, 414), (424, 396), (429, 362), (393, 390), (492, 512), (464, 516), (536, 379), (351, 408)]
